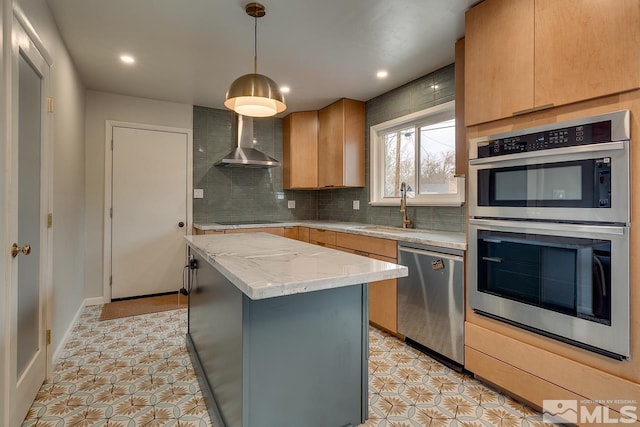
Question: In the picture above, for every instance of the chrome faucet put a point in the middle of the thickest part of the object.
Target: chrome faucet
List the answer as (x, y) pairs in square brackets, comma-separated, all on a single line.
[(406, 222)]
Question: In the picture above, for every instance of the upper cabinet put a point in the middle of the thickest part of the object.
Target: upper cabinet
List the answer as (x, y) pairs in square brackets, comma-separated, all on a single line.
[(341, 144), (526, 55), (324, 149), (300, 150)]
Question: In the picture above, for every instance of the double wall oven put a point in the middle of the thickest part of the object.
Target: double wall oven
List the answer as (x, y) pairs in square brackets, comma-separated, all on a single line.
[(549, 231)]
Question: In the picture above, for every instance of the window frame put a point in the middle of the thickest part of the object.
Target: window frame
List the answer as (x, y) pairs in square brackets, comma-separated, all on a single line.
[(424, 117)]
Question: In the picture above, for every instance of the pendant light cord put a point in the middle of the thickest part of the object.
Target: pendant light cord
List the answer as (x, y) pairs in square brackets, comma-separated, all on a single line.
[(255, 45)]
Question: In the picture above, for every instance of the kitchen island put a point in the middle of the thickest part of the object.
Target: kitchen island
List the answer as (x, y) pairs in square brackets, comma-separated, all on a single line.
[(278, 330)]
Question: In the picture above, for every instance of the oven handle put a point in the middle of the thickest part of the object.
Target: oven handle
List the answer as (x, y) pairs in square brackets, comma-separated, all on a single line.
[(519, 226), (492, 259), (591, 148)]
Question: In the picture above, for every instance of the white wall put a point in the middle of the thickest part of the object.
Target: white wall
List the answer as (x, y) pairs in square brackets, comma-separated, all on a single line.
[(100, 107), (68, 173)]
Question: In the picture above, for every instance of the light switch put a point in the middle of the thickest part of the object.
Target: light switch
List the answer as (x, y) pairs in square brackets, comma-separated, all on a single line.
[(356, 205), (198, 193), (291, 204)]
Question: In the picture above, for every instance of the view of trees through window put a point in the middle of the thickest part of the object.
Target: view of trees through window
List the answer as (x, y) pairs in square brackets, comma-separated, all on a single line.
[(421, 156)]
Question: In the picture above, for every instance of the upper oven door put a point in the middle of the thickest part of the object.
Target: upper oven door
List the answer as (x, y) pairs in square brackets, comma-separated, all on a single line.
[(583, 183)]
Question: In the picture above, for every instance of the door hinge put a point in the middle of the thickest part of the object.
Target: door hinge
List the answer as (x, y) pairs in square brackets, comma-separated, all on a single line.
[(49, 220), (49, 105), (110, 212), (48, 336)]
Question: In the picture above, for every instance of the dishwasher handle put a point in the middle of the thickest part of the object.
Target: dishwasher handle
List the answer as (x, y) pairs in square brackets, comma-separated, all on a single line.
[(430, 253)]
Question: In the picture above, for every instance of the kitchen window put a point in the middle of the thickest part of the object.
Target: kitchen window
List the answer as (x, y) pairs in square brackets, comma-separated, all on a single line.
[(418, 149)]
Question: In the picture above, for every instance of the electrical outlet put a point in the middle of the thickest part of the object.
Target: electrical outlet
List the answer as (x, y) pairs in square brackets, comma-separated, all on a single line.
[(356, 205), (198, 193), (291, 204)]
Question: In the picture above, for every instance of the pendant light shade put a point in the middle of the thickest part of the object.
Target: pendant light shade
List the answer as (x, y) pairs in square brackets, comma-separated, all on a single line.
[(255, 95)]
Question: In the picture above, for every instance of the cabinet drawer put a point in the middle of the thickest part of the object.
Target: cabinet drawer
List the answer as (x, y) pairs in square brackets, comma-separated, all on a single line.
[(371, 245), (322, 236), (291, 232), (278, 231), (303, 234)]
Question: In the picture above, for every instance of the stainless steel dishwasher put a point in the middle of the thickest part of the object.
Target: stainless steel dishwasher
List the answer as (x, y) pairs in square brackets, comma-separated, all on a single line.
[(431, 298)]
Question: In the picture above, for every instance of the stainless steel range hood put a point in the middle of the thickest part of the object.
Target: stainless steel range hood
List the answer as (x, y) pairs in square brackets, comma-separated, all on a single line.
[(244, 155)]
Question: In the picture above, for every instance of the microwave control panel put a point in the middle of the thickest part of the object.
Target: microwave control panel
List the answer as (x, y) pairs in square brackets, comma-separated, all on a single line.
[(590, 133)]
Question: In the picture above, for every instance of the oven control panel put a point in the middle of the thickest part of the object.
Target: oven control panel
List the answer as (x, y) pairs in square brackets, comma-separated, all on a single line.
[(590, 133)]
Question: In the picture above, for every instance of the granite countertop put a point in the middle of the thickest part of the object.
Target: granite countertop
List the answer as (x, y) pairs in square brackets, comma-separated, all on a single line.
[(263, 266), (443, 239)]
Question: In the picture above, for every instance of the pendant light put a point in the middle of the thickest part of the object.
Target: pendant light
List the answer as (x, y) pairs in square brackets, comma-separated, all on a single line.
[(255, 95)]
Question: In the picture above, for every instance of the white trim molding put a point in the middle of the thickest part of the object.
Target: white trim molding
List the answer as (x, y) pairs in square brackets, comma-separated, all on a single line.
[(376, 184)]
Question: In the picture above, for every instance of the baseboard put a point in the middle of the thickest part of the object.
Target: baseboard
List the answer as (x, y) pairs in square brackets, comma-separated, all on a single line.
[(67, 334), (95, 301)]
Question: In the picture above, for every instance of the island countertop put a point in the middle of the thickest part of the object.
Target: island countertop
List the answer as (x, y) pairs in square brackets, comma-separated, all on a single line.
[(264, 266)]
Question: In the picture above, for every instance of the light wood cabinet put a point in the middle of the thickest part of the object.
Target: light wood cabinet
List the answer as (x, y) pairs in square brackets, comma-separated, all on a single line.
[(317, 236), (300, 150), (341, 144), (527, 55), (291, 232), (200, 232), (278, 231), (383, 294), (303, 234)]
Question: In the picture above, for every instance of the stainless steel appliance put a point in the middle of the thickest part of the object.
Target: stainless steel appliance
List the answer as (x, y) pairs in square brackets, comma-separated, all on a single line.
[(566, 281), (549, 231), (431, 299), (575, 171)]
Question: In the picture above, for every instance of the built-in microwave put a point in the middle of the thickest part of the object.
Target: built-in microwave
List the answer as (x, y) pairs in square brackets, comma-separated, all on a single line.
[(572, 171), (566, 281)]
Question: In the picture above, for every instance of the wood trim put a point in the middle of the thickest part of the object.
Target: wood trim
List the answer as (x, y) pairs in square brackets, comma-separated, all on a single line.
[(573, 376), (372, 245), (462, 156)]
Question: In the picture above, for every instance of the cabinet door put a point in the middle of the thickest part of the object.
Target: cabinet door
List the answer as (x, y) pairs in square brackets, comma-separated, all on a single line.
[(303, 234), (300, 150), (372, 245), (291, 233), (585, 49), (341, 144), (330, 137), (499, 46), (383, 300)]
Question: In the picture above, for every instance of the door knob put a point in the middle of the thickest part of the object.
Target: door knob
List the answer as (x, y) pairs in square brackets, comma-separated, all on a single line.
[(181, 224), (15, 250)]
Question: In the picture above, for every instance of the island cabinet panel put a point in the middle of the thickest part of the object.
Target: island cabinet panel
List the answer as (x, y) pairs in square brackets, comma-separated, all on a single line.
[(317, 236), (498, 59), (300, 150), (341, 150), (290, 360), (527, 55), (277, 231)]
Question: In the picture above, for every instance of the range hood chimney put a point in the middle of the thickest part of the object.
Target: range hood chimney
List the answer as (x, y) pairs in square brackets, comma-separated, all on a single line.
[(244, 155)]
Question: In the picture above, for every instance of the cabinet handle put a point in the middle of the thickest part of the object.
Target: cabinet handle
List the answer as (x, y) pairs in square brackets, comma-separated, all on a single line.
[(531, 110), (492, 259)]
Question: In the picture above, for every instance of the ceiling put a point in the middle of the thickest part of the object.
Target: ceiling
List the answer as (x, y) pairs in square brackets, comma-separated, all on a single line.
[(189, 51)]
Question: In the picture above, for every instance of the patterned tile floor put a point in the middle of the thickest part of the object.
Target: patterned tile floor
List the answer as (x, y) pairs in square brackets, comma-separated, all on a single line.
[(136, 371)]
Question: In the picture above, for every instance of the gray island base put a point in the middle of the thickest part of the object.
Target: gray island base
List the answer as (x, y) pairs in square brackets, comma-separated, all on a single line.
[(290, 360)]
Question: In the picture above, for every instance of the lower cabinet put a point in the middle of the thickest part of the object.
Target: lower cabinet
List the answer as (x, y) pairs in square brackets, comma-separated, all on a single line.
[(278, 231)]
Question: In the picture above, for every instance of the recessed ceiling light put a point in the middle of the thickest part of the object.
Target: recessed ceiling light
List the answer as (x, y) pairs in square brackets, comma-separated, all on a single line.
[(382, 74), (127, 59), (285, 89)]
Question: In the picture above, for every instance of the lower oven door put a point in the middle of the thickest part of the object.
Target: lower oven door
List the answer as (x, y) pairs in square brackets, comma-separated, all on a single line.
[(566, 281)]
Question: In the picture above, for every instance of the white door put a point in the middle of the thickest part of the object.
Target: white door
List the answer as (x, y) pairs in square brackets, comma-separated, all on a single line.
[(29, 203), (149, 217)]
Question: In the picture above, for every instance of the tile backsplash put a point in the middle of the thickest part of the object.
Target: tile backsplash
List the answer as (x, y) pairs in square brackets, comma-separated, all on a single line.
[(251, 194)]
